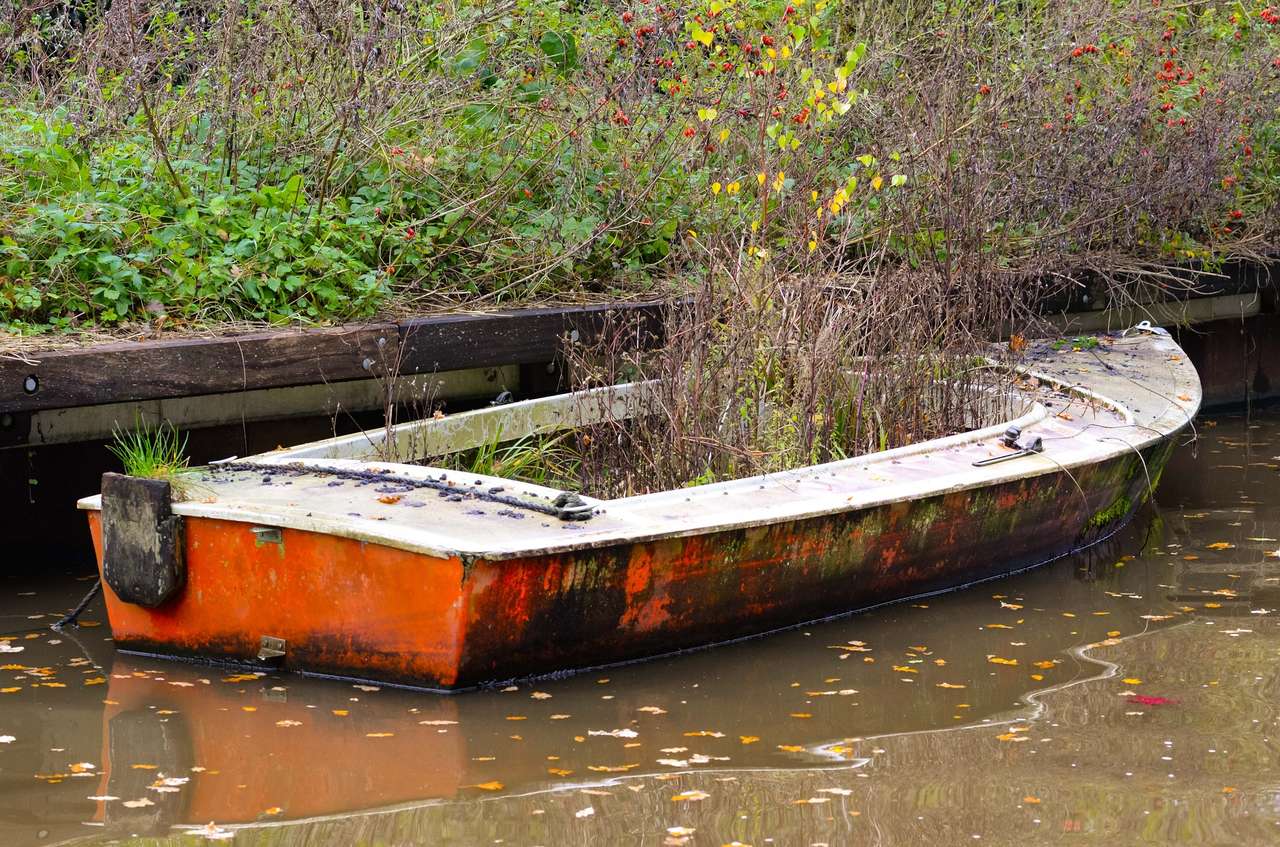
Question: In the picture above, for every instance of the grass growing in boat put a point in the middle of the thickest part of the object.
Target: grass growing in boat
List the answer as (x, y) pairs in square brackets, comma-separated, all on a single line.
[(154, 453), (546, 460), (760, 373)]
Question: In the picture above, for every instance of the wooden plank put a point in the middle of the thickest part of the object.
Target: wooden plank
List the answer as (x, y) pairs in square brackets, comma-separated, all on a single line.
[(154, 370), (149, 370), (86, 423), (523, 337)]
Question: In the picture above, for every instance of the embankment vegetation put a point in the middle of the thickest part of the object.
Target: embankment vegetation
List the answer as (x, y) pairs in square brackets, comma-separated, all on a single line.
[(319, 160)]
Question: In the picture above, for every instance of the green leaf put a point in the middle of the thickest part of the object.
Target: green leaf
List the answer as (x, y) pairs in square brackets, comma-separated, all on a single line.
[(562, 50)]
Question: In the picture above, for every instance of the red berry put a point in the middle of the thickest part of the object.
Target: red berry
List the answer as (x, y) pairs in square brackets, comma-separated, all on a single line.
[(627, 17)]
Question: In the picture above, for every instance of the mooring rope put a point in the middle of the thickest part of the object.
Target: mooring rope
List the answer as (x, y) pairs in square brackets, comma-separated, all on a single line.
[(567, 506), (72, 618)]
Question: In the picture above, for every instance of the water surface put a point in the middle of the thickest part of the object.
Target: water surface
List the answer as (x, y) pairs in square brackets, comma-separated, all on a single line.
[(1122, 696)]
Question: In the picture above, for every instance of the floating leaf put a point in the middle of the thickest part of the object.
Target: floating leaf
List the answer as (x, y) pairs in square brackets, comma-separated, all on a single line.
[(997, 660), (492, 785), (689, 796)]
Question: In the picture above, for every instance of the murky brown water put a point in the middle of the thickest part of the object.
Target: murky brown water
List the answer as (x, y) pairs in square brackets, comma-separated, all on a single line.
[(1126, 696)]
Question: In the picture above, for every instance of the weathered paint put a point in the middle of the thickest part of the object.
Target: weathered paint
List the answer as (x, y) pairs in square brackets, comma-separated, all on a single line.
[(360, 610), (365, 585), (342, 606)]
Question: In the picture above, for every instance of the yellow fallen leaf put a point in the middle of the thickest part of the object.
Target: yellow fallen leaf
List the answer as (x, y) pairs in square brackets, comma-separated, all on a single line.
[(791, 748), (274, 810), (342, 713), (1115, 633), (801, 715), (1044, 664), (1221, 545), (997, 660), (686, 796), (748, 739), (904, 669), (1213, 605), (1037, 676), (612, 768), (378, 734), (1032, 800), (950, 685), (1131, 680), (559, 772), (493, 785)]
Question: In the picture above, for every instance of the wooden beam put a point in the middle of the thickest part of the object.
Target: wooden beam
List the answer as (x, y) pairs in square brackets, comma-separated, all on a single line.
[(524, 337), (151, 370), (156, 370)]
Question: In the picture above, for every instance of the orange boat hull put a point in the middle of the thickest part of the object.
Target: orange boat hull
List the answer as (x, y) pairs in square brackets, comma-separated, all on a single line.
[(359, 610)]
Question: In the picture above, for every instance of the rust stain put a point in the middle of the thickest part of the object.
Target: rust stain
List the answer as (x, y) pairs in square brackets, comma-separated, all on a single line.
[(364, 610)]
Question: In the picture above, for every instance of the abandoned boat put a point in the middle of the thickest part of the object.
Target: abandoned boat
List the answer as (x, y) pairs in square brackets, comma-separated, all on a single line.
[(324, 559)]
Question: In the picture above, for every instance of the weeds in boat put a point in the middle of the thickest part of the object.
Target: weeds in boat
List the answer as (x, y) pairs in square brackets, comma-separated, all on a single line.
[(538, 459), (759, 373), (157, 452)]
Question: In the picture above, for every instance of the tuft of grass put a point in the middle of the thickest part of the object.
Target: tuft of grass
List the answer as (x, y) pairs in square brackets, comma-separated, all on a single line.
[(151, 452), (538, 459)]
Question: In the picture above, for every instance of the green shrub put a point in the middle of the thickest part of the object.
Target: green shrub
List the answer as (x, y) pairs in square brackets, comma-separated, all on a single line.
[(276, 162)]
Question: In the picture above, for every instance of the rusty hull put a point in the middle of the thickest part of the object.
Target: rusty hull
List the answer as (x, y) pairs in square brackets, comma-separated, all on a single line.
[(378, 576), (354, 609)]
